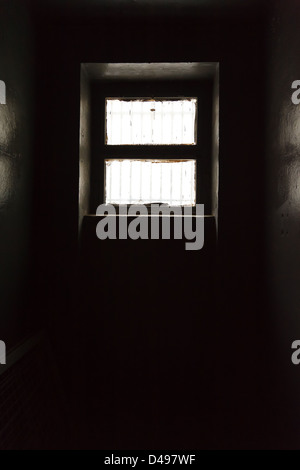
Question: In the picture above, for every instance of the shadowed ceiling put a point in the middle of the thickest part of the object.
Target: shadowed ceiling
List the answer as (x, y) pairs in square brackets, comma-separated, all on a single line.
[(129, 7)]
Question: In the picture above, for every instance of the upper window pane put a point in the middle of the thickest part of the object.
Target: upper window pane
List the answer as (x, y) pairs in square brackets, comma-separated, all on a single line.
[(151, 121)]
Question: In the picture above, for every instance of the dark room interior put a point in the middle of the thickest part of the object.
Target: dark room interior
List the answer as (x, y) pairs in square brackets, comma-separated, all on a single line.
[(142, 344)]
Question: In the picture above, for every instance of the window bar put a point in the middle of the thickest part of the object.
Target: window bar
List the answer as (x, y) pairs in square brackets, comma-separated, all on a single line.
[(172, 121), (131, 126), (119, 115), (130, 182), (141, 179), (142, 123), (171, 185), (182, 120), (110, 174), (112, 132), (160, 165), (120, 187), (153, 115), (107, 182), (150, 197), (110, 112), (195, 182), (192, 183), (162, 123), (181, 169)]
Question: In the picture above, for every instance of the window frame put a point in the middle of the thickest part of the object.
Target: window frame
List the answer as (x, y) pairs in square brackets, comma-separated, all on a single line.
[(156, 89)]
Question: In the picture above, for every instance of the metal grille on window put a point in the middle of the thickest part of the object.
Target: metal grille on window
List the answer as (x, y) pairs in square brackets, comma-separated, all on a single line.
[(151, 121), (134, 181)]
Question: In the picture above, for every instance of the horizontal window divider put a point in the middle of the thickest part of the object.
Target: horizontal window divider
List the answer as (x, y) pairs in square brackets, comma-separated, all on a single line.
[(149, 215), (138, 151)]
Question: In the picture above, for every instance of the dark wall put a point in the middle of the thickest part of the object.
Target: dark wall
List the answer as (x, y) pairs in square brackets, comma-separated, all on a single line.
[(283, 203), (130, 34), (254, 386), (215, 146), (84, 142), (16, 120)]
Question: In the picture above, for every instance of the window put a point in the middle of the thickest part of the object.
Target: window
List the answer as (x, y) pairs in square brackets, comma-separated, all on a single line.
[(137, 116), (151, 121), (171, 182)]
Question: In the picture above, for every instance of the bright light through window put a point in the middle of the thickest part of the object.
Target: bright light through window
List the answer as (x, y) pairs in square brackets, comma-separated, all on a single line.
[(151, 121), (135, 181)]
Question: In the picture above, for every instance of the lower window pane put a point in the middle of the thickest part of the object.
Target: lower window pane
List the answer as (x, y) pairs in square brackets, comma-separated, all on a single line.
[(133, 181)]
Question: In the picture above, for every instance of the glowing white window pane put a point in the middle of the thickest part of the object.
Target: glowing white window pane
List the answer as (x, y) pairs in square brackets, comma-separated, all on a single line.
[(176, 186), (151, 122), (116, 187), (135, 195), (166, 183), (126, 178), (136, 181), (146, 180)]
